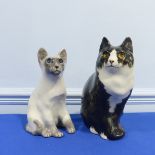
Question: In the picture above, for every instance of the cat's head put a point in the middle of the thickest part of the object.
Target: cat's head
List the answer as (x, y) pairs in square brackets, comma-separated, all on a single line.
[(52, 65), (115, 57)]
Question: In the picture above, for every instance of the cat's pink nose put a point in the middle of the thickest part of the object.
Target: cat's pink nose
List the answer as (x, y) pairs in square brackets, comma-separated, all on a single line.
[(111, 61)]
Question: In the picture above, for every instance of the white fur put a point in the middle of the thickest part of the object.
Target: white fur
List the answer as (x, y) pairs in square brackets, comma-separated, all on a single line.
[(113, 57), (47, 102), (118, 81), (102, 135), (92, 130)]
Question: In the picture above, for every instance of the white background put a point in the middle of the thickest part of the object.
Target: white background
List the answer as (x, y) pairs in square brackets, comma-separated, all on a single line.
[(78, 26)]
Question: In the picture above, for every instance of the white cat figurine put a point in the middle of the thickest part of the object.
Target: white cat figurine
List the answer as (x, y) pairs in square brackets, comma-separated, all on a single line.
[(47, 107)]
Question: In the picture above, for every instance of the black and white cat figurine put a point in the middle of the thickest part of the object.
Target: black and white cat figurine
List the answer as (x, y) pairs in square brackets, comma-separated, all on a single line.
[(108, 89)]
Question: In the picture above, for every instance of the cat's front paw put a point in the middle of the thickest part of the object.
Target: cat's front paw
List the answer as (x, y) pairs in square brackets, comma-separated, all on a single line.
[(92, 130), (71, 130), (57, 133), (46, 133), (102, 135)]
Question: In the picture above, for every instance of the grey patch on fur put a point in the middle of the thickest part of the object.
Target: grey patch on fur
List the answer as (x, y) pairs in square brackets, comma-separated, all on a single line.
[(56, 65), (63, 55), (39, 125), (42, 53), (38, 130)]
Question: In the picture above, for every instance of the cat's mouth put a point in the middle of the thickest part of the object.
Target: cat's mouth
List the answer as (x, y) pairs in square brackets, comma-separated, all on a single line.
[(57, 72), (111, 66)]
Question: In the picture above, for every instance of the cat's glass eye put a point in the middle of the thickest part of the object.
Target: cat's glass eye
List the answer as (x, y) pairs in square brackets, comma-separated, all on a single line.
[(105, 55), (121, 55), (61, 61), (49, 60)]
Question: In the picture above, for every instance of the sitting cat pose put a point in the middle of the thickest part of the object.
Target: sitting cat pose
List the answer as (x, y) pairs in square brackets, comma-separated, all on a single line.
[(108, 89), (47, 108)]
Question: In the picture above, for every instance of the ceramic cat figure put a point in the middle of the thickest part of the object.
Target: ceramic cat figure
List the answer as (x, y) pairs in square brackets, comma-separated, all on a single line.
[(108, 89), (46, 107)]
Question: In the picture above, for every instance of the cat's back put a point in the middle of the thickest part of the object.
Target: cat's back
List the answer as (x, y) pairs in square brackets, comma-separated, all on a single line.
[(89, 92), (89, 86)]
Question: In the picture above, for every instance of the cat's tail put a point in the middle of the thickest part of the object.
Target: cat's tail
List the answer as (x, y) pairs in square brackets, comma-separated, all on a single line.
[(34, 127)]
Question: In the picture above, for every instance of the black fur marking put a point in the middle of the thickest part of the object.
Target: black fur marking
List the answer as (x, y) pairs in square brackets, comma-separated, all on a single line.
[(101, 60), (105, 44), (127, 45)]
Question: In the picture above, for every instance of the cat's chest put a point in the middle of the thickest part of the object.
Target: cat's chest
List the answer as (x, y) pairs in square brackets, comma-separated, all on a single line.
[(117, 83), (51, 93)]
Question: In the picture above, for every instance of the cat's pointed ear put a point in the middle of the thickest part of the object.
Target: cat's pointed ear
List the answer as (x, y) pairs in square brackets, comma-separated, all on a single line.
[(42, 53), (127, 44), (105, 44), (63, 55)]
